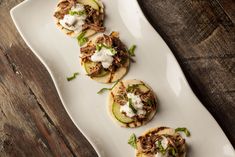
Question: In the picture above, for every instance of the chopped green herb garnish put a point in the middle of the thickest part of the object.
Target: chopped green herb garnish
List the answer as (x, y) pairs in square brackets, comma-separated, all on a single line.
[(132, 50), (82, 39), (73, 12), (80, 13), (172, 151), (131, 106), (104, 89), (151, 102), (131, 88), (72, 77), (100, 46), (113, 51), (185, 130), (161, 149), (133, 141)]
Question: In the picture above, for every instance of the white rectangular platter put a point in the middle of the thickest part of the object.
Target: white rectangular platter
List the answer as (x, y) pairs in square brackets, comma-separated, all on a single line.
[(155, 64)]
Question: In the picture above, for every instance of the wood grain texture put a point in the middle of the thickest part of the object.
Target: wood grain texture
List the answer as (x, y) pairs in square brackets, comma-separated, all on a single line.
[(33, 122), (201, 34)]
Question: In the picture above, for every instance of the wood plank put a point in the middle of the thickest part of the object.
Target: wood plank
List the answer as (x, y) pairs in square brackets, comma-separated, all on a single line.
[(23, 123), (201, 35), (46, 128), (229, 8)]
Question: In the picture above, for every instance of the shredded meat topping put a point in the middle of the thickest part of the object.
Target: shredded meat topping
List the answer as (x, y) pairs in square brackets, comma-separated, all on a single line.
[(121, 98), (93, 27), (94, 16), (64, 6), (147, 143), (119, 59), (94, 19), (89, 49), (95, 70)]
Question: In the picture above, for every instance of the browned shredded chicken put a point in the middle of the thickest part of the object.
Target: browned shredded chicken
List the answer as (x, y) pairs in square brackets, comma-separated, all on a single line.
[(94, 19)]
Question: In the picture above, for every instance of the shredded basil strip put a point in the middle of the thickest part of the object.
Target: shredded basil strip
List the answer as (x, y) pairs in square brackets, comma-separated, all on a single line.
[(131, 88), (73, 12), (173, 151), (72, 77), (151, 102), (82, 39), (159, 145), (104, 89), (185, 130), (133, 141), (80, 13), (131, 106), (132, 50), (99, 47)]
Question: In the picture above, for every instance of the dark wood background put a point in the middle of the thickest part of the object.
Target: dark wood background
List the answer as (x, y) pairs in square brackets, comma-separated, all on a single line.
[(33, 122)]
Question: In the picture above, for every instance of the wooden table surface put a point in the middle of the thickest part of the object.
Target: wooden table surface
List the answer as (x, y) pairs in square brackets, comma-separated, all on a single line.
[(33, 122)]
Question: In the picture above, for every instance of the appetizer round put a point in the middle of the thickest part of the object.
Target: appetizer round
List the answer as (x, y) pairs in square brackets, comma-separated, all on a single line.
[(76, 16), (105, 59), (132, 103), (161, 142)]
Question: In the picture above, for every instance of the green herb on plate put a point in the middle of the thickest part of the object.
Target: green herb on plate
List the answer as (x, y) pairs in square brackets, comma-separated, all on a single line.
[(72, 77), (133, 141), (105, 89), (82, 39), (132, 50), (185, 130)]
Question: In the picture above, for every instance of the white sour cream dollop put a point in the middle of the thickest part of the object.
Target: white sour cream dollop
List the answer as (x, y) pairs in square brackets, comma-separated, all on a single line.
[(104, 55), (164, 142), (74, 22), (136, 103)]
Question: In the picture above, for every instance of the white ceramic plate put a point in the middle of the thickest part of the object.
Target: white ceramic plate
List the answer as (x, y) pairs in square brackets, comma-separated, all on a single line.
[(155, 65)]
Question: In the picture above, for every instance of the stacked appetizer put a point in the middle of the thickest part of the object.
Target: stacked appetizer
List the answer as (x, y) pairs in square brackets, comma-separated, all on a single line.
[(132, 103), (160, 142), (105, 58), (77, 16)]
